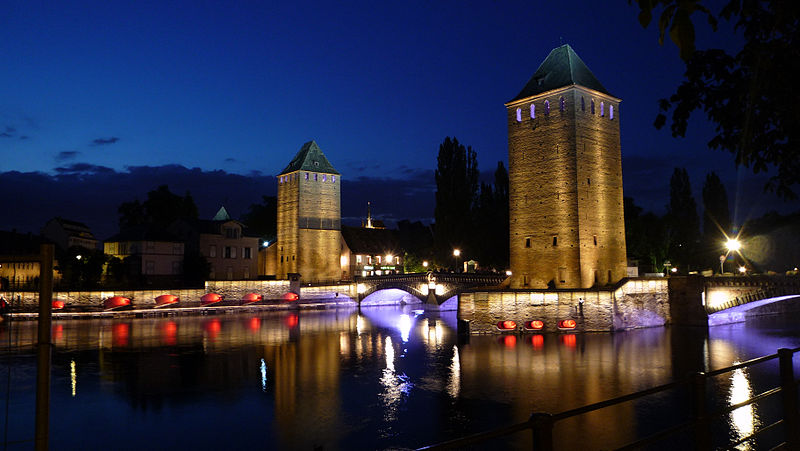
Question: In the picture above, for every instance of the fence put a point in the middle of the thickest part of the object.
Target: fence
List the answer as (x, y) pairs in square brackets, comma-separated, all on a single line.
[(541, 424)]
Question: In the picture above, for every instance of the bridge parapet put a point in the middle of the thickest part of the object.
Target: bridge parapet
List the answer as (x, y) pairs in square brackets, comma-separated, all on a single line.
[(427, 287), (722, 293)]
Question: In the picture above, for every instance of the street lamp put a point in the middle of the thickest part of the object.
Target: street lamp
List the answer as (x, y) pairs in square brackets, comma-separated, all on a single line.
[(732, 245), (456, 254), (742, 269)]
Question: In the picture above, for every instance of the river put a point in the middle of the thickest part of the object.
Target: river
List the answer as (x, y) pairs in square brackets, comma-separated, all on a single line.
[(382, 377)]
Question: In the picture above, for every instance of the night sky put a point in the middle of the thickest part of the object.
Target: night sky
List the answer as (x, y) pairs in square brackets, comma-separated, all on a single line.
[(104, 101)]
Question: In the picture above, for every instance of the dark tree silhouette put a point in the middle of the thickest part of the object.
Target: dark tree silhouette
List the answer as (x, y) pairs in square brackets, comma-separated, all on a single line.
[(161, 208), (684, 224), (263, 218), (750, 95), (456, 191)]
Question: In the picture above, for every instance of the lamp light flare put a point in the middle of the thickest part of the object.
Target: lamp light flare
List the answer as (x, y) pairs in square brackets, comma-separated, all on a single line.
[(733, 245), (457, 252), (742, 269)]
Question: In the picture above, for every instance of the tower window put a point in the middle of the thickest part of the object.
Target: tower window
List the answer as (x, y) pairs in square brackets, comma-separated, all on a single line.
[(611, 112), (583, 104), (333, 178), (602, 109), (533, 111), (316, 177), (591, 106), (588, 181), (519, 114), (562, 104), (306, 175), (555, 240), (546, 107), (595, 239), (324, 178), (528, 242)]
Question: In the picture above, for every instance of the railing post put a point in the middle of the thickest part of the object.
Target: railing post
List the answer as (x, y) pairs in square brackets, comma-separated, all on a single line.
[(542, 426), (702, 435), (789, 392)]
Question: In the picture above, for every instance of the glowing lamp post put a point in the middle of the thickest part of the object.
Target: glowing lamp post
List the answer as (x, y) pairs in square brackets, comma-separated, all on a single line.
[(732, 245), (456, 254)]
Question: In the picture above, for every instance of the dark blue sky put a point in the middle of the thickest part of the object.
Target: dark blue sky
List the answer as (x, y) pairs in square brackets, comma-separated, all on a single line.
[(238, 88)]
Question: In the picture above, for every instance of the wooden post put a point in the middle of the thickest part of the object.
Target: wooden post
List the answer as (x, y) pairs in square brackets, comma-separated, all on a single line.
[(789, 395), (542, 426), (702, 434), (44, 347)]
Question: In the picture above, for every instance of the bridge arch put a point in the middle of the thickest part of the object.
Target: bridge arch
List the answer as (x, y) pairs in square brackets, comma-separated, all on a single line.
[(388, 295)]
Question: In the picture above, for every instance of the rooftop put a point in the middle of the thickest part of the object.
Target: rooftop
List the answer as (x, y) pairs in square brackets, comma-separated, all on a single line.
[(310, 158)]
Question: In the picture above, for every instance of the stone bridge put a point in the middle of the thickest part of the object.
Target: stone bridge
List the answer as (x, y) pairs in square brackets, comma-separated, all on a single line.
[(734, 298), (430, 288)]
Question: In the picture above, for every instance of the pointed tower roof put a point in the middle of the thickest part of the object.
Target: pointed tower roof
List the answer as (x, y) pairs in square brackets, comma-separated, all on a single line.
[(310, 158), (222, 215), (562, 67)]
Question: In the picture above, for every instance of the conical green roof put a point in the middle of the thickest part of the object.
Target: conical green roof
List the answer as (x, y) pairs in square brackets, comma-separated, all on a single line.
[(310, 158), (222, 215), (562, 67)]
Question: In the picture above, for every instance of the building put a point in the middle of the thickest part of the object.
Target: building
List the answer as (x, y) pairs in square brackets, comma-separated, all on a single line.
[(22, 275), (149, 254), (309, 218), (66, 234), (565, 179), (229, 248), (370, 251)]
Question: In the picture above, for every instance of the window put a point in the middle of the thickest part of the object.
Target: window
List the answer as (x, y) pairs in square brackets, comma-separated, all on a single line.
[(555, 240), (379, 259), (333, 178), (316, 176), (562, 104), (519, 114), (528, 242), (592, 106), (358, 259), (595, 239), (306, 174), (369, 259), (611, 112), (231, 233), (281, 258), (533, 111), (546, 107), (228, 252), (212, 251), (149, 267), (602, 109), (588, 181), (583, 104), (246, 253), (324, 177)]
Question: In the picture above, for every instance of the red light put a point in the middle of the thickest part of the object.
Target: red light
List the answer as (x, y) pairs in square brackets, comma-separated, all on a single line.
[(58, 332), (509, 341), (292, 320), (291, 296), (169, 333), (251, 297), (534, 325), (166, 299), (537, 341), (254, 324), (58, 305), (507, 325), (120, 333), (567, 324), (212, 328), (569, 340), (210, 298)]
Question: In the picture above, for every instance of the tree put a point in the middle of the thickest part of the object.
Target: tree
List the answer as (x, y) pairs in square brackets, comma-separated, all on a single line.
[(456, 190), (490, 220), (263, 218), (161, 208), (684, 224), (646, 237), (717, 218), (750, 95)]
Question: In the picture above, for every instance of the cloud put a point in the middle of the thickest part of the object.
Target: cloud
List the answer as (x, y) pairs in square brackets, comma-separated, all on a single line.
[(6, 135), (104, 141), (83, 169), (230, 160), (67, 155), (24, 137), (10, 129)]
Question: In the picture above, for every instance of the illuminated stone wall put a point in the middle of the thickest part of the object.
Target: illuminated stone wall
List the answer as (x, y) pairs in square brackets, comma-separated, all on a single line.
[(565, 190), (637, 303)]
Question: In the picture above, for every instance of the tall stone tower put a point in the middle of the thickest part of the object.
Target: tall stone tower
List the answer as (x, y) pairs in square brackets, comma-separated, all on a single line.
[(565, 179), (309, 217)]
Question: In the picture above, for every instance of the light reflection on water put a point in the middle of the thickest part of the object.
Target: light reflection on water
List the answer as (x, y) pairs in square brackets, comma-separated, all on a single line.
[(370, 379)]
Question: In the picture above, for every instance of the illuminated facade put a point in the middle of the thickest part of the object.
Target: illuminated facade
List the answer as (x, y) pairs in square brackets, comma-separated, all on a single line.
[(309, 218), (565, 179), (370, 252)]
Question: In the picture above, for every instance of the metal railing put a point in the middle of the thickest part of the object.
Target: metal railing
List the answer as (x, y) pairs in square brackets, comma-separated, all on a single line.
[(541, 424)]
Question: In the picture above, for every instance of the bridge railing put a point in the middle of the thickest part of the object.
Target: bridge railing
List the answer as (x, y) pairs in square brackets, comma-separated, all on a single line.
[(766, 293), (541, 425)]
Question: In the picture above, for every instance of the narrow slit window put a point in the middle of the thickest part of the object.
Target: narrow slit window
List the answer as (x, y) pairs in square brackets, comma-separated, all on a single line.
[(555, 240), (591, 106), (533, 111), (562, 104), (583, 104), (588, 181), (519, 114), (602, 109), (528, 242), (546, 107), (595, 239), (611, 112)]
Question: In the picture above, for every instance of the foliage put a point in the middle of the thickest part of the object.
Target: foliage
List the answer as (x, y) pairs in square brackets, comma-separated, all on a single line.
[(646, 237), (263, 218), (684, 224), (749, 95), (161, 208), (456, 190), (491, 222), (80, 268), (716, 217)]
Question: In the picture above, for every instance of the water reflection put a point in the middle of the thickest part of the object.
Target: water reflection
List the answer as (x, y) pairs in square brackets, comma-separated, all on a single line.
[(377, 378), (744, 419)]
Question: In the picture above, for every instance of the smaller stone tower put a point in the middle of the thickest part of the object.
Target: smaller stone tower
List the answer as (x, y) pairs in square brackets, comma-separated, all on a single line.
[(309, 217)]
